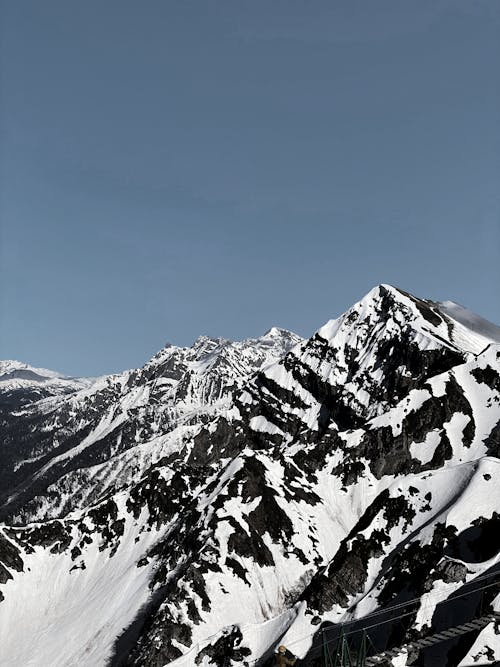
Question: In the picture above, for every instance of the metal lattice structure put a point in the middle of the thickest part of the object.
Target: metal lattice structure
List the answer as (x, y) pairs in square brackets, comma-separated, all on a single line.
[(431, 640)]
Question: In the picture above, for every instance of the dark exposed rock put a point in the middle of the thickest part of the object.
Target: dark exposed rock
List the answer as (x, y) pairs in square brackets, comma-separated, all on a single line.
[(492, 442), (10, 555), (479, 542), (313, 456), (347, 572), (210, 446), (488, 376), (427, 311), (249, 546), (411, 567), (226, 648), (390, 455), (164, 651), (450, 571), (53, 534), (237, 568)]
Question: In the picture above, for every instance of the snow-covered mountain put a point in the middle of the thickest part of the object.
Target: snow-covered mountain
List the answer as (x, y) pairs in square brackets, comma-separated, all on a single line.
[(230, 497), (68, 449), (21, 384)]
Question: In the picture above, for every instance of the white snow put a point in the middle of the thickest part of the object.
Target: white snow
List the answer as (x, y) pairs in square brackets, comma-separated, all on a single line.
[(71, 617), (487, 331), (424, 451)]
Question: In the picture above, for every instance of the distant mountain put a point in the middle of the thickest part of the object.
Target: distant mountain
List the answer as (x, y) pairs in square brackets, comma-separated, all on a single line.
[(230, 497), (74, 444), (21, 384)]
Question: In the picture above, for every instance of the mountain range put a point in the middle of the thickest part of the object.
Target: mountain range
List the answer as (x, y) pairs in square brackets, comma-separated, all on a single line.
[(330, 494)]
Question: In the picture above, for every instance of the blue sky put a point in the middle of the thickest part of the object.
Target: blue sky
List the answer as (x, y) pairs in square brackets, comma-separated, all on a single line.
[(170, 169)]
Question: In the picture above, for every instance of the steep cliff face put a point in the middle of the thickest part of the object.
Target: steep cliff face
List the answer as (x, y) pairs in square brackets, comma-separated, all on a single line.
[(234, 496)]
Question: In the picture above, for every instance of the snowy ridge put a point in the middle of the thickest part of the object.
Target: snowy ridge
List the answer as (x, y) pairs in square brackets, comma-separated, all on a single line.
[(471, 322), (109, 432), (10, 368), (263, 492), (22, 384)]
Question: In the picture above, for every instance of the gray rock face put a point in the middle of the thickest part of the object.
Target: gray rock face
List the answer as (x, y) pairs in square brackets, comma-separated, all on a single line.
[(268, 491)]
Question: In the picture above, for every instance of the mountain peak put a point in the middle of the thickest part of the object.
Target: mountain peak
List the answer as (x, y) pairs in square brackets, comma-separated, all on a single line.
[(389, 294), (276, 332), (209, 340), (11, 369)]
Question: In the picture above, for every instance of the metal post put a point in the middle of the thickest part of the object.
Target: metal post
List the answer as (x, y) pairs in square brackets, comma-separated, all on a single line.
[(343, 655), (361, 660)]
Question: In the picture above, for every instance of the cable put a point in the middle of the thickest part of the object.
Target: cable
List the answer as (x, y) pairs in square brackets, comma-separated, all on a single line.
[(428, 598), (387, 610), (396, 618), (340, 626), (415, 600)]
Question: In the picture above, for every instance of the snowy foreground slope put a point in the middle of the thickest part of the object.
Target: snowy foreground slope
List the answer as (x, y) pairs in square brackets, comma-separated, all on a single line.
[(229, 497)]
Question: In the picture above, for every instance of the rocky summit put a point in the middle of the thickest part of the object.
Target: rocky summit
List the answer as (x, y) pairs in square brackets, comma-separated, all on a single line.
[(336, 495)]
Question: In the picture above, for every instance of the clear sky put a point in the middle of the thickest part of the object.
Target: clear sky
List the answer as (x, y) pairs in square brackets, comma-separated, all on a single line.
[(176, 168)]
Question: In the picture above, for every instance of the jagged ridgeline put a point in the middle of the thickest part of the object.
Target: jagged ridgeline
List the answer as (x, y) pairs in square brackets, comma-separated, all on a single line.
[(341, 491)]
